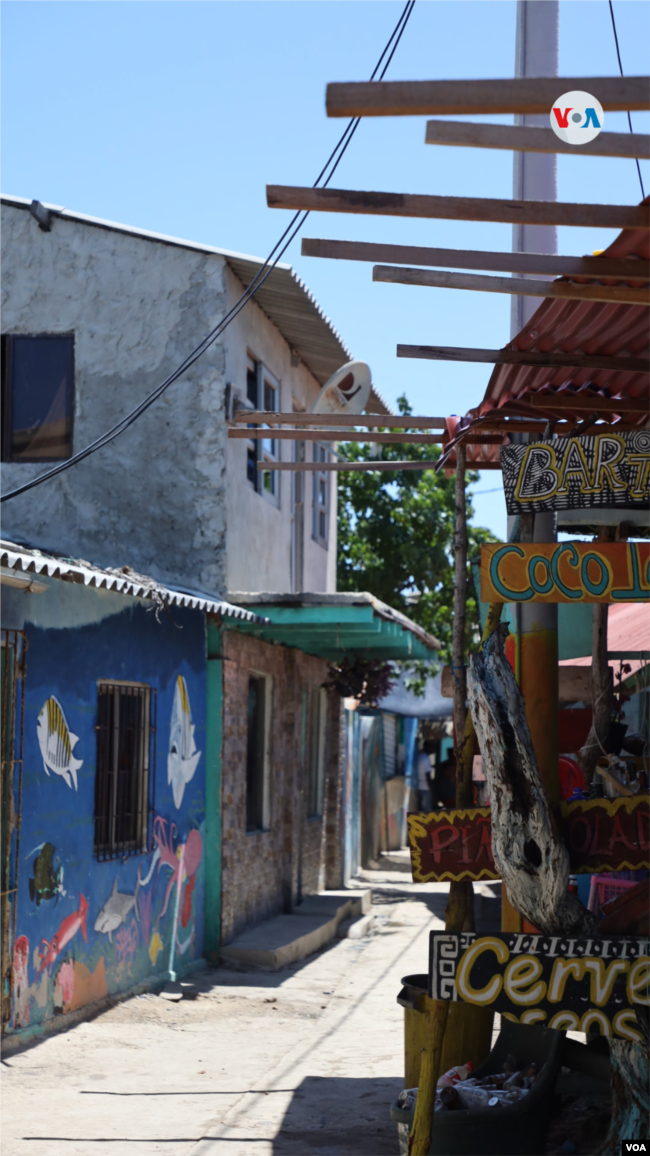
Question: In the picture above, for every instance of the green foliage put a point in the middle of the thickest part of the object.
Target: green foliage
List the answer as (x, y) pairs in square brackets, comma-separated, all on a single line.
[(396, 537)]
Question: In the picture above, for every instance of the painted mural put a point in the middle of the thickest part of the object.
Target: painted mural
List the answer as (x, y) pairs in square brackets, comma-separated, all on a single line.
[(115, 923), (57, 743), (183, 756)]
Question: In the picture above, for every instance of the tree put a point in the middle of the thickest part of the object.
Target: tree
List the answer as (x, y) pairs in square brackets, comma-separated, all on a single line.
[(396, 537)]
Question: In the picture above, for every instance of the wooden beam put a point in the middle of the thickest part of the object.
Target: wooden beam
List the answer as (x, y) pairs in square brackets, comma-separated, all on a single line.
[(359, 467), (581, 403), (480, 97), (458, 208), (538, 425), (392, 421), (527, 139), (337, 435), (524, 357), (523, 287), (551, 266)]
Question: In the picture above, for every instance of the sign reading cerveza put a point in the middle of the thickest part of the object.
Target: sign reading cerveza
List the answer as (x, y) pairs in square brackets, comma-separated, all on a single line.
[(599, 471), (561, 982)]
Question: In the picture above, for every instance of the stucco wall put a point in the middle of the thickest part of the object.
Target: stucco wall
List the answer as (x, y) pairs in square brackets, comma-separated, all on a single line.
[(261, 869), (62, 959), (154, 498)]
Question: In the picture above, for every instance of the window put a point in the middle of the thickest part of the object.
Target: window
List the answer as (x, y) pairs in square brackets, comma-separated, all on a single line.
[(317, 731), (262, 393), (257, 752), (37, 398), (123, 782), (321, 497)]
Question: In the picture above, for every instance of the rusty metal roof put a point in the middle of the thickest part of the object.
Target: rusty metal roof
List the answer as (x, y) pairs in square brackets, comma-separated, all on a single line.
[(578, 327)]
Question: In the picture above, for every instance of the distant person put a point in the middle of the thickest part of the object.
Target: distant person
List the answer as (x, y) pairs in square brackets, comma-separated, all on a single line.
[(445, 783), (425, 802)]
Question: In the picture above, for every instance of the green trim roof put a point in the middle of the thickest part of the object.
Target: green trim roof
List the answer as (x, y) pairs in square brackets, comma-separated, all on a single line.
[(336, 626)]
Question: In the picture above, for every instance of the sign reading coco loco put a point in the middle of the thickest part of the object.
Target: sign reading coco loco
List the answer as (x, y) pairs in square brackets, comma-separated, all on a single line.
[(567, 984), (600, 834), (566, 572), (605, 470)]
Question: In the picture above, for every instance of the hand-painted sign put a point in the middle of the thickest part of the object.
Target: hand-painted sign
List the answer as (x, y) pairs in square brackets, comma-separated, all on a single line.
[(592, 472), (451, 845), (601, 835), (565, 983), (566, 572)]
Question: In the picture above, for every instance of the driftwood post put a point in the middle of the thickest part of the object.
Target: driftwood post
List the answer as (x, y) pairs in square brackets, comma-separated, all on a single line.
[(533, 861)]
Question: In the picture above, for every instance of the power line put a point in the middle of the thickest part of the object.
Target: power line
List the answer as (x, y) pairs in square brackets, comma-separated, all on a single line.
[(289, 234), (629, 117)]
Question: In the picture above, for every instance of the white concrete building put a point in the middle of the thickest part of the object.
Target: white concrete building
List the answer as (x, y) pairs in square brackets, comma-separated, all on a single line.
[(94, 316)]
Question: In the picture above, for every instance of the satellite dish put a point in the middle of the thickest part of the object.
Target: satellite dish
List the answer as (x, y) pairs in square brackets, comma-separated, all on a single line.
[(347, 391)]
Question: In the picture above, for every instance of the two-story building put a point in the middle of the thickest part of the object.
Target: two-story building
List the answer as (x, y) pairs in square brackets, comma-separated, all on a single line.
[(176, 756)]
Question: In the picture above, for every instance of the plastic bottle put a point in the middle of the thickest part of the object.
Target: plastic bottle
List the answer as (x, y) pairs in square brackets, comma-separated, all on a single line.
[(455, 1075)]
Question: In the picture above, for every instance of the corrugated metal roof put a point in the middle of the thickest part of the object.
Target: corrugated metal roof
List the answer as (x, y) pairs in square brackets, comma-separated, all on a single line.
[(579, 327), (628, 630), (284, 298), (123, 581), (305, 601)]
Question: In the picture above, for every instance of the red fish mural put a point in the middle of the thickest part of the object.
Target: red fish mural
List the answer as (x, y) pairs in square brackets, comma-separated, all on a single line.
[(67, 931)]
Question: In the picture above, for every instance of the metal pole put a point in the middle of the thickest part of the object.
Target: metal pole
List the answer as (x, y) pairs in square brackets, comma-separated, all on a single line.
[(535, 178)]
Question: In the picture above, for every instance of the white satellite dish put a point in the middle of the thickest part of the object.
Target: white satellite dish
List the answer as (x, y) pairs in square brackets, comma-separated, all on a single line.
[(347, 391)]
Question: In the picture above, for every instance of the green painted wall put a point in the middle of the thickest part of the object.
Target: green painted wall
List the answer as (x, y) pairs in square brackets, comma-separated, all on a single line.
[(214, 740)]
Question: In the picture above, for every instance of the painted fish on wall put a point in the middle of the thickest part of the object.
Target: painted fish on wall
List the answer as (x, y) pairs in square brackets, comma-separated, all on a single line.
[(57, 743), (67, 931), (116, 909), (183, 756), (47, 881)]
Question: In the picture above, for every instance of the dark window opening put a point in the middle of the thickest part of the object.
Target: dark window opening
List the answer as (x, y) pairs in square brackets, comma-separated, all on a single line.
[(256, 754), (317, 731), (37, 397), (125, 769)]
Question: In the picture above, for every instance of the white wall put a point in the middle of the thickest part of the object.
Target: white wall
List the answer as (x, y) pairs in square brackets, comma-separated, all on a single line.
[(259, 532)]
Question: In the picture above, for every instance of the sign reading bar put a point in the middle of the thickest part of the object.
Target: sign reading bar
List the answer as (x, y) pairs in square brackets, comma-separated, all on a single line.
[(564, 983), (592, 472), (601, 835), (566, 572)]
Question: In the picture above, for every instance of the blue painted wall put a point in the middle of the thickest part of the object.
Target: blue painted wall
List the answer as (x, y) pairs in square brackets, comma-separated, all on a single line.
[(75, 637)]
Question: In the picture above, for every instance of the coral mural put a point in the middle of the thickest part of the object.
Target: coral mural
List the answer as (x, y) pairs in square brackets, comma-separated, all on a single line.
[(127, 941), (57, 743)]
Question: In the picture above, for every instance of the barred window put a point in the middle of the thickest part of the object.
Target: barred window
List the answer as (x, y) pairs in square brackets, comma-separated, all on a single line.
[(124, 778), (321, 497)]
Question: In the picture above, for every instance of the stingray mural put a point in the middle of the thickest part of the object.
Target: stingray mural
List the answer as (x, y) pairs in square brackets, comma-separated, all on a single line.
[(183, 756), (57, 742)]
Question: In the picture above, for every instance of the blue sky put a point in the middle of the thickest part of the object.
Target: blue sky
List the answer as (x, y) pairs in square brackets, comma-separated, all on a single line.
[(174, 116)]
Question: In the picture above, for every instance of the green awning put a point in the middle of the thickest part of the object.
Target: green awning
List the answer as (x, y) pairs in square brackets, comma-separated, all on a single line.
[(336, 626)]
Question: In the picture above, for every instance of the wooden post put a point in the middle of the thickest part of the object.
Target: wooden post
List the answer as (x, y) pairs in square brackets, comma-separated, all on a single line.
[(601, 691)]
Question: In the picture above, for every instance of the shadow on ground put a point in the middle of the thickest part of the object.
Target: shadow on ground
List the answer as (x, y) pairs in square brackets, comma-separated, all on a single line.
[(340, 1117)]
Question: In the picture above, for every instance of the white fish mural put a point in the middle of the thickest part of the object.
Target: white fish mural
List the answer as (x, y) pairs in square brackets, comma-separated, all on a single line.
[(57, 743), (183, 756), (116, 909)]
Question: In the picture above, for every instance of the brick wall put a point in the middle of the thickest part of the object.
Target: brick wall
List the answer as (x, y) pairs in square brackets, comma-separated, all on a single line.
[(264, 872)]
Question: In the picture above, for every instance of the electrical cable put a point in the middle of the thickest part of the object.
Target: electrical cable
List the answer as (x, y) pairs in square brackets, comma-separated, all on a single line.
[(629, 117), (291, 231)]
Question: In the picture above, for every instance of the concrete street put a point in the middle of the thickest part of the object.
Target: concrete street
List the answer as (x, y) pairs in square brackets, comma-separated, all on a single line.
[(303, 1061)]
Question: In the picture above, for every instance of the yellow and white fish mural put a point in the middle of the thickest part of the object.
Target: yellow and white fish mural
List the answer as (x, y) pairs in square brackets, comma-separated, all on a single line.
[(57, 743), (183, 756)]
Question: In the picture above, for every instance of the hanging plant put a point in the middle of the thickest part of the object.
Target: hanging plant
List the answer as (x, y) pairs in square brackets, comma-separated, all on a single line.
[(368, 680)]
